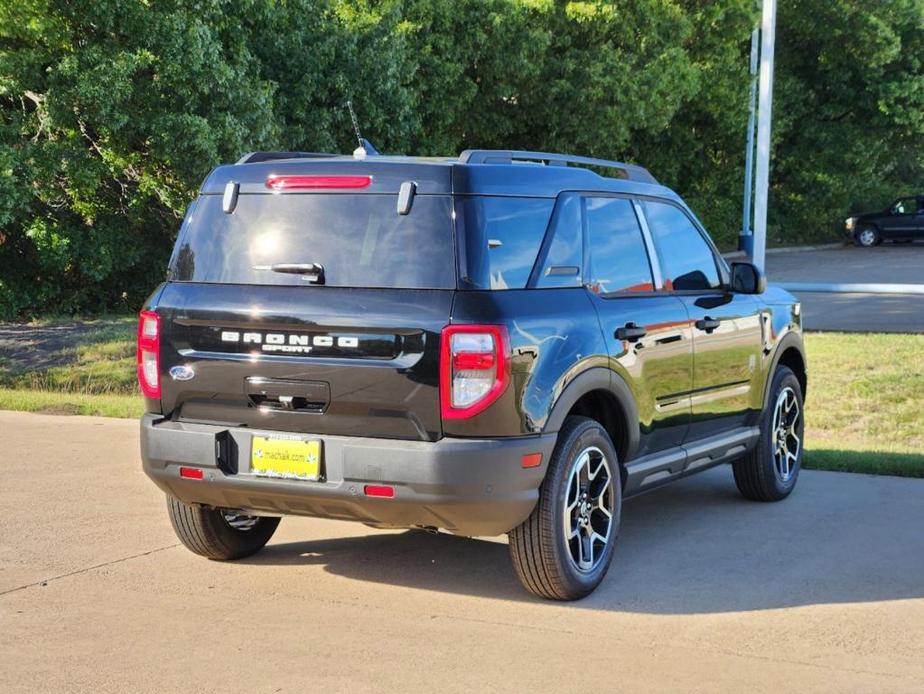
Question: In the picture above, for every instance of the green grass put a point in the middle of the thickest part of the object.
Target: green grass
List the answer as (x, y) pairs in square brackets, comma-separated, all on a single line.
[(55, 402), (102, 362), (93, 372), (865, 409)]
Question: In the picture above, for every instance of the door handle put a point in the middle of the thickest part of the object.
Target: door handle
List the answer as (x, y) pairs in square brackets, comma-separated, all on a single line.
[(630, 332), (708, 324)]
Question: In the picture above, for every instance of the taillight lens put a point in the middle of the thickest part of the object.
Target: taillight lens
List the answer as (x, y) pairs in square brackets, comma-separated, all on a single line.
[(149, 353), (474, 369), (279, 182)]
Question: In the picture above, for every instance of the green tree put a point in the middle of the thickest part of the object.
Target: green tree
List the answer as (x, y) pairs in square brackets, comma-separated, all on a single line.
[(849, 112), (112, 112)]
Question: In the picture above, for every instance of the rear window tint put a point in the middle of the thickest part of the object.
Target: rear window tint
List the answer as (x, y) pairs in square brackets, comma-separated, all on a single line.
[(563, 261), (502, 239), (360, 240)]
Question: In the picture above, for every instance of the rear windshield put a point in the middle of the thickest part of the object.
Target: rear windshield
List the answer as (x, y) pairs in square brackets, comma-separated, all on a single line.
[(359, 240)]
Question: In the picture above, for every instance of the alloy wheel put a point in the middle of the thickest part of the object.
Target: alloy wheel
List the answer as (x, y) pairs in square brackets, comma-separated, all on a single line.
[(787, 442), (589, 508)]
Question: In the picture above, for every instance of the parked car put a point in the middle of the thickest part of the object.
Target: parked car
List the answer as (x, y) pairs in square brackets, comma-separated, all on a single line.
[(503, 342), (903, 220)]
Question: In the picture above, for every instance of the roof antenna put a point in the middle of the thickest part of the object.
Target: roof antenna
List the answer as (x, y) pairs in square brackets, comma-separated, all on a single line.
[(365, 147)]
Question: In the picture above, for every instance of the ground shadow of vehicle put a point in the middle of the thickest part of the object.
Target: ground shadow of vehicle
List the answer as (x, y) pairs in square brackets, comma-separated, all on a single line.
[(693, 547)]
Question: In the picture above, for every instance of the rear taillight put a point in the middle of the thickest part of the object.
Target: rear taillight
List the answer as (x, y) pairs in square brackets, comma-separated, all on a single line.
[(149, 353), (474, 369)]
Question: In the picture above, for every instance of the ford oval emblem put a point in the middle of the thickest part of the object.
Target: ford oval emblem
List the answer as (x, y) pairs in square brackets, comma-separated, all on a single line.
[(181, 373)]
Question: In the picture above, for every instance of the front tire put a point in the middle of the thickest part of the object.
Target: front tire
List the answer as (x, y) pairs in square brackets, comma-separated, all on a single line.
[(565, 547), (221, 534), (868, 237), (770, 471)]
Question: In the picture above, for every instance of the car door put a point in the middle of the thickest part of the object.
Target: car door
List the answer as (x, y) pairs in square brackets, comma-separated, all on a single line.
[(648, 332), (902, 220), (726, 327)]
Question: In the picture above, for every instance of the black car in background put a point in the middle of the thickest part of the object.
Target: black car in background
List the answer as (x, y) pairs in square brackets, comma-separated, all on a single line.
[(903, 220)]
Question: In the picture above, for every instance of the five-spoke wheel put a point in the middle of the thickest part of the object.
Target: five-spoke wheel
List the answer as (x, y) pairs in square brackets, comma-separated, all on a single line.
[(563, 550), (787, 441), (588, 512), (769, 471)]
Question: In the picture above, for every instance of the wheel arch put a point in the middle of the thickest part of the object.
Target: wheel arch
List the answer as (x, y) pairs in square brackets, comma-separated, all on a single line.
[(789, 352), (601, 395)]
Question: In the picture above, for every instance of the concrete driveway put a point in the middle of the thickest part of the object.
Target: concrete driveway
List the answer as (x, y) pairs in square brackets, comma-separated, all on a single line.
[(888, 263), (823, 592)]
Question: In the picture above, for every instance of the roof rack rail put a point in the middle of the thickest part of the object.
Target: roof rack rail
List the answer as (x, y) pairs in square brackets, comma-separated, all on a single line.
[(632, 172), (255, 157)]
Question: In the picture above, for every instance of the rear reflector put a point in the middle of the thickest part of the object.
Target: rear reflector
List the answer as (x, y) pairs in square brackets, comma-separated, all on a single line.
[(531, 460), (191, 473), (379, 490), (276, 182)]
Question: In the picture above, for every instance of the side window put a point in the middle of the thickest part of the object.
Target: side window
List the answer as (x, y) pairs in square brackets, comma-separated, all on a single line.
[(687, 261), (617, 258), (502, 239), (905, 206), (564, 258)]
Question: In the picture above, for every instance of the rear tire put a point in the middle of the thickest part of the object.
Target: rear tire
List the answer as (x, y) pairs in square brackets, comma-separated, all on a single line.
[(868, 237), (221, 534), (565, 547), (770, 471)]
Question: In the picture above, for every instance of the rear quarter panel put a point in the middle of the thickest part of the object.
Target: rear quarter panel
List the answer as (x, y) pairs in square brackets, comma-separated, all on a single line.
[(554, 337)]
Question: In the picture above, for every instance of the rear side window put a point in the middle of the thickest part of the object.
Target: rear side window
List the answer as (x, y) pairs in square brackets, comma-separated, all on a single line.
[(562, 264), (687, 261), (906, 206), (618, 259), (502, 239), (359, 240)]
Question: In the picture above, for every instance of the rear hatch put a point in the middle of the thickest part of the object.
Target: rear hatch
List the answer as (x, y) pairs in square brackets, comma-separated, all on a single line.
[(314, 310)]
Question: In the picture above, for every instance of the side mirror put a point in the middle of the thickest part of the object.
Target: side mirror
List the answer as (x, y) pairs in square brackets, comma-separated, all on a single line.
[(747, 279)]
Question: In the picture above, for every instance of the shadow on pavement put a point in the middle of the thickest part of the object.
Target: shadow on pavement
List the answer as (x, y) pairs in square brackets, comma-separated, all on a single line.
[(693, 547)]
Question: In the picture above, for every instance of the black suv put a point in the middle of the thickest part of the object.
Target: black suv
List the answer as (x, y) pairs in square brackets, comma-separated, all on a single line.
[(903, 220), (506, 342)]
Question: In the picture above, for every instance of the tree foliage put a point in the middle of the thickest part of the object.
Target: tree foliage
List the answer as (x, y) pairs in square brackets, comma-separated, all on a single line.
[(112, 112)]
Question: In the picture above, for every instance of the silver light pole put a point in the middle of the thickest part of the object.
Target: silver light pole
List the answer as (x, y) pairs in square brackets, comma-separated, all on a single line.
[(765, 106), (746, 235)]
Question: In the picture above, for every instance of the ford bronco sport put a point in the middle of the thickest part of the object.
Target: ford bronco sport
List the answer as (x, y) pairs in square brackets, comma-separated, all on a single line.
[(506, 342)]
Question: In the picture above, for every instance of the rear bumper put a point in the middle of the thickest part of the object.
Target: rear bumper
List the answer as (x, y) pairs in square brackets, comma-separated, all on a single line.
[(467, 486)]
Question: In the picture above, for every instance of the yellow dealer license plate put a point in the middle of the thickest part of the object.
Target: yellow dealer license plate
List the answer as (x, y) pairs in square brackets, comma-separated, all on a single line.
[(290, 458)]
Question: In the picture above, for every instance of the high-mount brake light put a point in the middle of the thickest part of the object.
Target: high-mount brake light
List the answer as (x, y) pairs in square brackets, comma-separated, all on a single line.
[(149, 353), (474, 369), (280, 182)]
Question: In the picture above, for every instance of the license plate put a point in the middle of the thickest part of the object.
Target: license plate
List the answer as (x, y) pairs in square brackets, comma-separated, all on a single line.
[(289, 458)]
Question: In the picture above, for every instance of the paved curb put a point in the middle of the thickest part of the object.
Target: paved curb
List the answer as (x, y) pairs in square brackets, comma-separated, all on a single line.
[(791, 249)]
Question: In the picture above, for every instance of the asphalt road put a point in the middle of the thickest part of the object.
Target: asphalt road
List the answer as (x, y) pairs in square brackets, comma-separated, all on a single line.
[(823, 592), (888, 263)]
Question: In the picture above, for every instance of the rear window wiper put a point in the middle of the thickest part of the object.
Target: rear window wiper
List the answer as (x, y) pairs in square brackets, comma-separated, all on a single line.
[(314, 272)]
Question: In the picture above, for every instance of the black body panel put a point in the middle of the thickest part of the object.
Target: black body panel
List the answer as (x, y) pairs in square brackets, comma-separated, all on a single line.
[(386, 385)]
